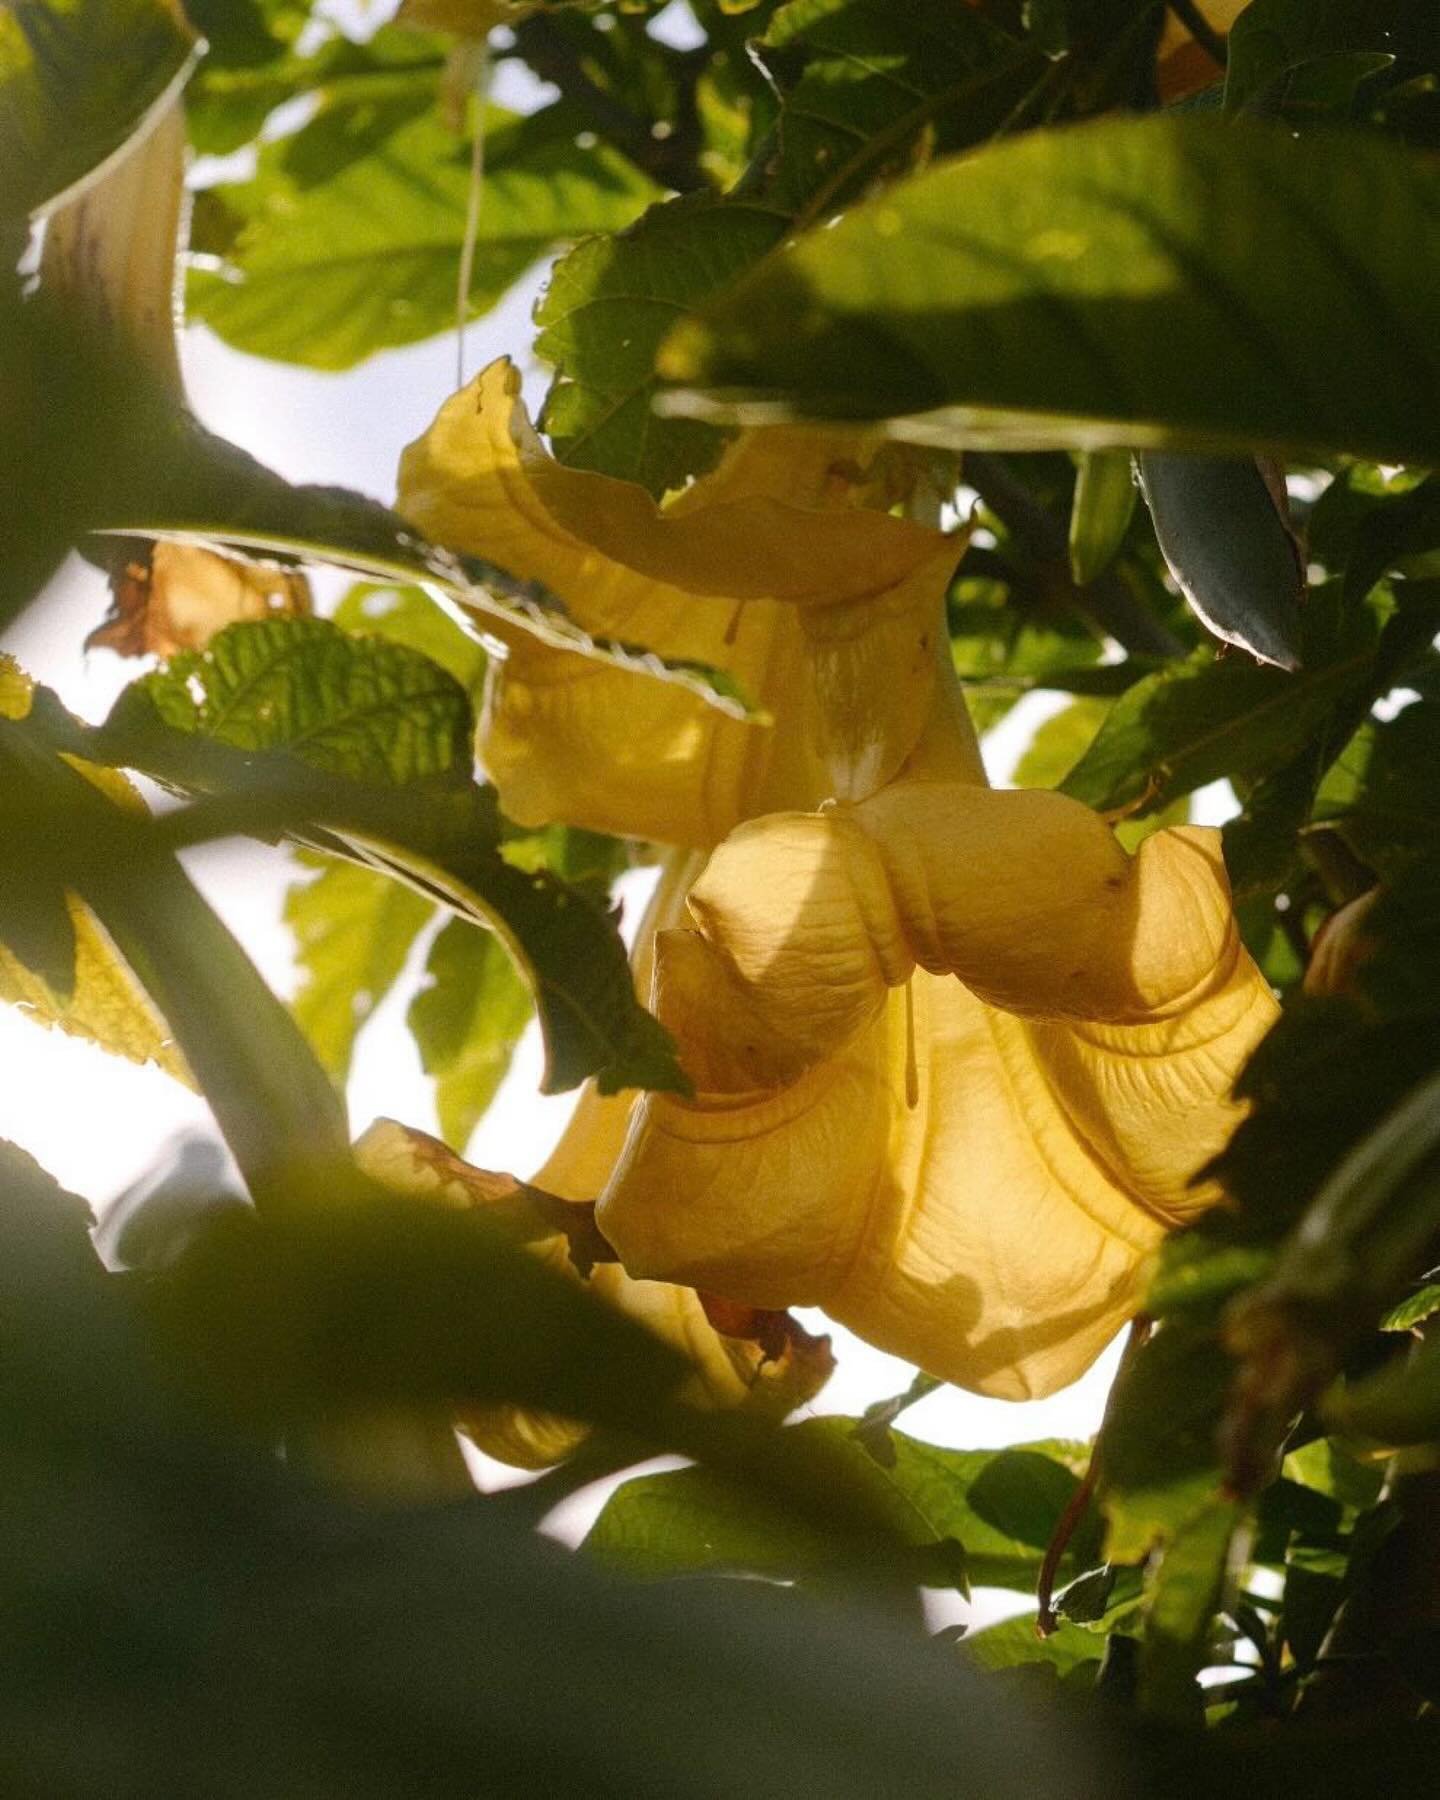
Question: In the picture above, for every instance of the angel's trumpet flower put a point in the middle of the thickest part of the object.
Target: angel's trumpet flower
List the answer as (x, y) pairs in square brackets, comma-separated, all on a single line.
[(957, 1058), (743, 571)]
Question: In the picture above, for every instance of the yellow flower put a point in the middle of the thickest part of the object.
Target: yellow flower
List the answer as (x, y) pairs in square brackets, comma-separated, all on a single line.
[(956, 1056), (727, 573), (732, 1369)]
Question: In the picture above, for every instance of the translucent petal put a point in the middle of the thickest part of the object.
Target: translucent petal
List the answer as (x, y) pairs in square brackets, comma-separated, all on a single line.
[(1071, 1081), (731, 573)]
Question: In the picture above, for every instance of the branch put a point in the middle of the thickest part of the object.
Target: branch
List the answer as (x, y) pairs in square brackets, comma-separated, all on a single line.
[(1212, 42)]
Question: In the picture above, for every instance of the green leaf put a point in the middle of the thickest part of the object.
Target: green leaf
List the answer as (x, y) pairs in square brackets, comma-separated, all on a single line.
[(687, 1520), (408, 615), (364, 253), (1414, 1309), (1170, 282), (1382, 788), (78, 78), (1023, 1493), (1001, 652), (1060, 742), (882, 86), (1016, 1644), (1204, 720), (248, 72), (353, 929), (609, 304), (1160, 1470), (466, 1022), (1100, 514), (1276, 45), (1185, 1595), (363, 745), (365, 708), (1329, 1469)]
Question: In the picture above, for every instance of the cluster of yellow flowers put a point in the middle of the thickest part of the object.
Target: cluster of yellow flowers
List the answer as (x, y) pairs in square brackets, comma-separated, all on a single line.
[(956, 1057)]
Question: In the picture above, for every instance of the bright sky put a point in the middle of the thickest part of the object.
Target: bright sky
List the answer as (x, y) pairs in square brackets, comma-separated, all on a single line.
[(98, 1123)]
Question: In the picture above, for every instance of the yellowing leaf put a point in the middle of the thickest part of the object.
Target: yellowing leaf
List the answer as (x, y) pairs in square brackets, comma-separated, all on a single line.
[(15, 689), (169, 597), (107, 1006)]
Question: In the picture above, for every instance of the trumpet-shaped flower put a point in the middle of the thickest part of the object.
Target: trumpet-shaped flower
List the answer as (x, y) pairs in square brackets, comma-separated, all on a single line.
[(804, 599), (956, 1057)]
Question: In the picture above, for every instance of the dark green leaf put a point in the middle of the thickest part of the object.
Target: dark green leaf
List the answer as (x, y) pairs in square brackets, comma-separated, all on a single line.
[(881, 87), (1165, 282), (609, 304), (1024, 1493), (77, 79), (1384, 787), (1160, 1468), (1278, 46), (1230, 550)]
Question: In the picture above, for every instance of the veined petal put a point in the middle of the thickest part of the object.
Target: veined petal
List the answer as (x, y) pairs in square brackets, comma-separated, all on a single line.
[(729, 573), (1071, 1081), (1000, 1254), (755, 1195)]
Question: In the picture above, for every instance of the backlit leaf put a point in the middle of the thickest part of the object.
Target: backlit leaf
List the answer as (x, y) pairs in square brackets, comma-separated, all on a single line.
[(364, 744), (364, 252), (687, 1520), (466, 1022), (353, 929)]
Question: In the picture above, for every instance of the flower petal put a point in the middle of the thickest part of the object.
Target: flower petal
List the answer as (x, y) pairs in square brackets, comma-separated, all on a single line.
[(1071, 1082), (723, 575)]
